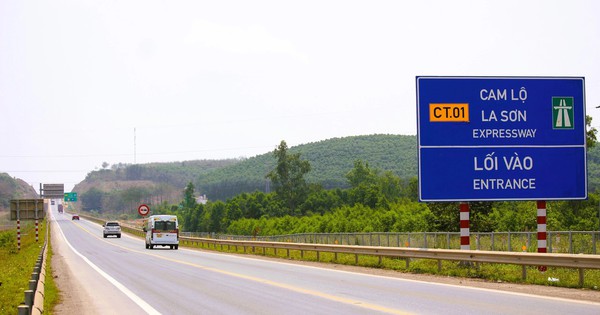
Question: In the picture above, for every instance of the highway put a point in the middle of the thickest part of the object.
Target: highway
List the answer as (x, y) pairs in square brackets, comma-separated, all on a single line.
[(121, 276)]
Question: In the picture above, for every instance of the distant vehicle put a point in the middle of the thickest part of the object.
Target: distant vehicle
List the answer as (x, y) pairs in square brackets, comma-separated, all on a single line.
[(162, 230), (75, 217), (52, 202), (112, 228), (60, 208)]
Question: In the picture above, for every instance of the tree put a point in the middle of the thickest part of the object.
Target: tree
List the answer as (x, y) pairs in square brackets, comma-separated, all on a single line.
[(288, 177), (92, 199), (361, 174), (189, 201), (591, 132)]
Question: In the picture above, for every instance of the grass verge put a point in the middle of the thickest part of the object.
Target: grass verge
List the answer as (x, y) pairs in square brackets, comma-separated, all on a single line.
[(51, 292), (16, 265)]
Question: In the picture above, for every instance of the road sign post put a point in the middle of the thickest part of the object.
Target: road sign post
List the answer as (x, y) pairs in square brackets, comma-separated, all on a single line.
[(501, 138)]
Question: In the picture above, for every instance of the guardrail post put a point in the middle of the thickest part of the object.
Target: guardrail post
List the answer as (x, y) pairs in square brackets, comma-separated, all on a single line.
[(33, 285), (465, 241), (571, 242), (541, 234), (18, 234), (29, 294), (581, 277), (23, 309)]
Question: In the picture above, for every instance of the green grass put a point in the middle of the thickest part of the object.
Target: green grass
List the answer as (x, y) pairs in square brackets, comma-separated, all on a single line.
[(490, 272), (51, 292), (16, 265)]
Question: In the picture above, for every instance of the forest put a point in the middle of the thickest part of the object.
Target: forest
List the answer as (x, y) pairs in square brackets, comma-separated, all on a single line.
[(375, 201), (353, 184)]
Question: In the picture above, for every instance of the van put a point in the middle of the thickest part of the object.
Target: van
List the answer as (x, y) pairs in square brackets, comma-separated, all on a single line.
[(162, 230)]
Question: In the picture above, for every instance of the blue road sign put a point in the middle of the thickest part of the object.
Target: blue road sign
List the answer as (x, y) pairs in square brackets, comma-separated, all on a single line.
[(501, 138)]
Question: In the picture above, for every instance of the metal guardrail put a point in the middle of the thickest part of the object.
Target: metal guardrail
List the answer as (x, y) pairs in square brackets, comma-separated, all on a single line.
[(575, 261), (34, 296), (566, 242)]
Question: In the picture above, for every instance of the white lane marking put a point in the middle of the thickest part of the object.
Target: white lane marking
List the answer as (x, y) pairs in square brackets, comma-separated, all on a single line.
[(136, 299)]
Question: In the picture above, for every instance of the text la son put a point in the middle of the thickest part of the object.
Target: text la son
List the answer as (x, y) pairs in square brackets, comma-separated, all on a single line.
[(514, 115)]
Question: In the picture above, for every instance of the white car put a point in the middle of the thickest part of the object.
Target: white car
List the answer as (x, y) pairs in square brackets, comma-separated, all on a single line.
[(112, 228)]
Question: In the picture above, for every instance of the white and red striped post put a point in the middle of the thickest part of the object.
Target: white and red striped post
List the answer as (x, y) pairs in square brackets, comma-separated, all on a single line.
[(465, 234), (36, 221), (19, 234), (541, 227)]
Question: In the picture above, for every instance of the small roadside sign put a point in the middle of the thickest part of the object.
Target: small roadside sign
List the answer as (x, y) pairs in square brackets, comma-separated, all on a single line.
[(143, 210)]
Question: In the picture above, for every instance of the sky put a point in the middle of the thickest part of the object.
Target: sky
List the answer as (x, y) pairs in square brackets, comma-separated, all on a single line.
[(88, 82)]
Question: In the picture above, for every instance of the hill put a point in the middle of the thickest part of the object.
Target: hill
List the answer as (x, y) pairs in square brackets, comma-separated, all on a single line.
[(330, 161), (13, 188), (124, 185)]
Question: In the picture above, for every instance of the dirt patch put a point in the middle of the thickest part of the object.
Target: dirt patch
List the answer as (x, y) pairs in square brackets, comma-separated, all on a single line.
[(72, 297)]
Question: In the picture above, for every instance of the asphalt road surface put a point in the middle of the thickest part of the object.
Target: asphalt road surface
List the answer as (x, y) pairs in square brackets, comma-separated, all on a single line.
[(120, 276)]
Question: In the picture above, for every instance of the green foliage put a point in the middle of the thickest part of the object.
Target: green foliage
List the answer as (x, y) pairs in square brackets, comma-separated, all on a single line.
[(92, 199), (288, 178), (590, 133), (189, 201), (16, 266), (379, 202), (400, 217), (514, 216), (330, 161), (375, 173)]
